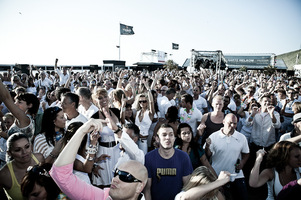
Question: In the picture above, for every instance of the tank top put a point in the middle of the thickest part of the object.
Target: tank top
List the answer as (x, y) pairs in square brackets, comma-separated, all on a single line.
[(145, 124), (211, 127), (15, 191), (28, 130), (274, 186)]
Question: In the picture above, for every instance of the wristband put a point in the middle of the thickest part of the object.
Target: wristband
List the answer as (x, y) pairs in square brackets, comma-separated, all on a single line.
[(119, 129), (251, 117)]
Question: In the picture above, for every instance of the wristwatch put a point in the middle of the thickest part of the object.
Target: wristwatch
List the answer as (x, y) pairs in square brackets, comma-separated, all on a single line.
[(119, 129)]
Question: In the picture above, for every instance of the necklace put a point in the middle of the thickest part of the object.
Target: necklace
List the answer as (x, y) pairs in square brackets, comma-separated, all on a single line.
[(186, 114)]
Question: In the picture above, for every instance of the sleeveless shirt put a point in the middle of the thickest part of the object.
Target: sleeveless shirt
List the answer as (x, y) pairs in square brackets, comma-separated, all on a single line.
[(15, 191)]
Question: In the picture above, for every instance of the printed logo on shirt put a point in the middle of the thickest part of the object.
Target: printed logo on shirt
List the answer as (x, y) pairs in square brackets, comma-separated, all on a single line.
[(166, 172)]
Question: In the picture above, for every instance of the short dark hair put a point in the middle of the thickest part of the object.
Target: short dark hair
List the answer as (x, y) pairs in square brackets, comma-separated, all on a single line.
[(30, 99), (164, 126), (73, 97), (84, 92), (59, 91), (183, 125), (188, 98), (171, 91), (133, 127)]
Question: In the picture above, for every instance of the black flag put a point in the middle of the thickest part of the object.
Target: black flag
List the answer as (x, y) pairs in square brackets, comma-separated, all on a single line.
[(126, 30), (175, 46)]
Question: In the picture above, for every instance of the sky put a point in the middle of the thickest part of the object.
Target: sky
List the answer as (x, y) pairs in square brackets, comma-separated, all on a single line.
[(84, 32)]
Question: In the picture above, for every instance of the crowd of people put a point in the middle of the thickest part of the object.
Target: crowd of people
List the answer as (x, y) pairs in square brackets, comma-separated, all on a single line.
[(149, 135)]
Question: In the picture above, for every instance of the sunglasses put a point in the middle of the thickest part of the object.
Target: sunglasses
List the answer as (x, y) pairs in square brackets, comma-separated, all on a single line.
[(144, 101), (125, 176), (55, 110), (38, 170)]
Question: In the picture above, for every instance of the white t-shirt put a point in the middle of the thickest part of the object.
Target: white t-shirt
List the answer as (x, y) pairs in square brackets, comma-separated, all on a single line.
[(200, 104), (226, 150), (87, 113), (192, 118), (79, 118), (163, 105)]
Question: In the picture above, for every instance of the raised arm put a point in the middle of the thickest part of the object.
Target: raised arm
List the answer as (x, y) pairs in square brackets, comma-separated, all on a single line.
[(55, 64), (119, 83), (239, 89), (67, 84), (5, 97), (199, 191), (87, 166), (122, 109), (67, 156), (151, 105), (256, 179)]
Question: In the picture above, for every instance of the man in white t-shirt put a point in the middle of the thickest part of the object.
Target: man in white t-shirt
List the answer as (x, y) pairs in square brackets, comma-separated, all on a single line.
[(63, 74), (166, 101), (198, 101), (229, 151), (70, 103), (43, 81), (189, 114), (232, 104), (86, 107)]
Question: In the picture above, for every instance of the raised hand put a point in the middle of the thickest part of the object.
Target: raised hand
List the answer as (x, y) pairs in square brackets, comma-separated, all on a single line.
[(260, 154), (271, 109), (201, 129), (224, 176)]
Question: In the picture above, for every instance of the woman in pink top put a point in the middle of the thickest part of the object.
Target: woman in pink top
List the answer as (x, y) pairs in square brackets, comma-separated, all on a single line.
[(128, 182)]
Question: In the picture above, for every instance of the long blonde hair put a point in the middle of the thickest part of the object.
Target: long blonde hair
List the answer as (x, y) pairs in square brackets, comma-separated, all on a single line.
[(136, 104), (202, 176)]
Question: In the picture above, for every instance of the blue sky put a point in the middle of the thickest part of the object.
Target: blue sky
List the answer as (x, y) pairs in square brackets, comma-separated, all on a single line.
[(83, 32)]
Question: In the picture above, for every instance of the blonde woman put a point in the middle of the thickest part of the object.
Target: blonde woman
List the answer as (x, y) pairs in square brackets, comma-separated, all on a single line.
[(203, 184), (212, 121), (144, 117)]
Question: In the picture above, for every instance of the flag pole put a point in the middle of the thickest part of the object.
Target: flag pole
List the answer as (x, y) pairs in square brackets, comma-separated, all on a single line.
[(119, 45)]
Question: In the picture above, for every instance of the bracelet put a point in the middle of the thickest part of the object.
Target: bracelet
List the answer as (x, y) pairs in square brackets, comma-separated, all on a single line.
[(92, 149), (53, 156), (93, 146), (123, 109), (251, 117)]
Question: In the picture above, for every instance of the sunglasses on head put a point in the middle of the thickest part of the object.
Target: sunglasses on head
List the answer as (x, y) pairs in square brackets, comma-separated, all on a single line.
[(55, 109), (125, 176), (38, 170), (144, 101)]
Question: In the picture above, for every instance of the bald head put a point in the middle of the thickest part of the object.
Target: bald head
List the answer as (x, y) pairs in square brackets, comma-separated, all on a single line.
[(230, 116), (230, 123), (121, 189), (135, 168)]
